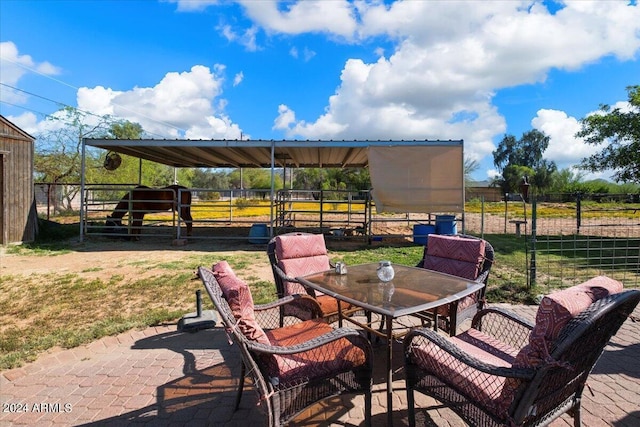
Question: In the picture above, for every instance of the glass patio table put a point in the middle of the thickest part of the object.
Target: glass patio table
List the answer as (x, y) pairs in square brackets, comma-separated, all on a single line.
[(412, 291)]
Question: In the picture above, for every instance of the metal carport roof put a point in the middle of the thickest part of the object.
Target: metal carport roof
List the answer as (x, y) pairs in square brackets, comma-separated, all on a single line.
[(252, 153)]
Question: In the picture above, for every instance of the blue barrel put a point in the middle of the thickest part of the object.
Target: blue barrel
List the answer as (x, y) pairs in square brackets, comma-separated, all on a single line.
[(259, 233), (446, 224), (421, 232)]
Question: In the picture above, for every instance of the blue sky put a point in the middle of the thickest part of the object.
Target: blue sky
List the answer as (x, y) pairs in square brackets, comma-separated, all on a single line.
[(326, 69)]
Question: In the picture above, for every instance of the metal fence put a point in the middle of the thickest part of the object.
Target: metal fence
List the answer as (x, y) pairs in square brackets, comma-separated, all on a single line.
[(602, 238), (571, 237)]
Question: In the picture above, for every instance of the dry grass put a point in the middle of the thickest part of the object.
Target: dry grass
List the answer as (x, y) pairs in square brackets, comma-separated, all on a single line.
[(67, 309)]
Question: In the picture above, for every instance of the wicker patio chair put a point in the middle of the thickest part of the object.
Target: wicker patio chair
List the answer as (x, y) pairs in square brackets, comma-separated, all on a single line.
[(294, 366), (507, 371), (297, 254), (463, 256)]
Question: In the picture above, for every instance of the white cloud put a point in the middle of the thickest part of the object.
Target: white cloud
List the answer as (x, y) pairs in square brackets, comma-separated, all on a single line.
[(13, 66), (564, 148), (450, 59), (180, 105), (285, 118), (493, 173), (193, 5), (333, 17), (385, 99), (246, 38), (33, 125), (237, 79), (307, 54), (28, 122)]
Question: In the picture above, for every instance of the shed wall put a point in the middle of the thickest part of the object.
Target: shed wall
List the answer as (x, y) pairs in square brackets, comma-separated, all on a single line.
[(19, 223)]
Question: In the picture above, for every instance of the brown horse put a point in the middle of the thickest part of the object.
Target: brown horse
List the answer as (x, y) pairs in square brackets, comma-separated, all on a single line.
[(146, 200)]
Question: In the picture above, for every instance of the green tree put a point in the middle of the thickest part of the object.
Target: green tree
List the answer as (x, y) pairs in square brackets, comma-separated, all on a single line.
[(59, 150), (308, 179), (332, 179), (134, 170), (619, 130), (356, 178), (526, 152), (129, 170), (565, 181), (254, 178), (210, 179), (542, 176), (513, 176)]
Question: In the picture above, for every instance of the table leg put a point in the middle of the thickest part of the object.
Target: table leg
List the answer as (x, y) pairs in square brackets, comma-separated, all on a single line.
[(339, 314), (388, 321)]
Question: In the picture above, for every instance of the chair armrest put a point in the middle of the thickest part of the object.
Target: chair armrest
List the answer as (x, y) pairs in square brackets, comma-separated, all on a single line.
[(268, 314), (283, 301), (503, 325), (351, 334), (472, 362)]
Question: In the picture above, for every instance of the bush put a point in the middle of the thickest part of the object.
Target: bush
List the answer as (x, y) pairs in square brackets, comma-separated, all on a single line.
[(209, 195), (242, 203)]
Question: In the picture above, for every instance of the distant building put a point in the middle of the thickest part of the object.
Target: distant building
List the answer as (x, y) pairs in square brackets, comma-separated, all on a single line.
[(481, 189), (18, 218)]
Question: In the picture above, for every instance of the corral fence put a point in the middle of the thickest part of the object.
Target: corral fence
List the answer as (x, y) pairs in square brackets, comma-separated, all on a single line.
[(602, 238), (568, 238), (234, 214)]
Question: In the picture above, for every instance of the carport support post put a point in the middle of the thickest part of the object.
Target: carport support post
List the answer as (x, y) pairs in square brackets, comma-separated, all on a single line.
[(82, 201), (273, 185)]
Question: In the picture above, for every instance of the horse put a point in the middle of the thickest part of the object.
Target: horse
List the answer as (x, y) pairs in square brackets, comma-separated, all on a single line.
[(146, 200)]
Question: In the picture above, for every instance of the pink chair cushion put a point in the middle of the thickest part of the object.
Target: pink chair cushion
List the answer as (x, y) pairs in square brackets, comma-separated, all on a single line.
[(479, 386), (301, 254), (467, 270), (329, 359), (455, 255), (300, 246), (554, 312), (239, 298)]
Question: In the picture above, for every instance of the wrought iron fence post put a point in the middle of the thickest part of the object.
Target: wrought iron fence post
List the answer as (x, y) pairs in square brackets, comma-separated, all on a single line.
[(532, 266), (578, 211)]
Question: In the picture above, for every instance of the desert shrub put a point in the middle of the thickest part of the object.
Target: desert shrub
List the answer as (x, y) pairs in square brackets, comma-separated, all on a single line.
[(242, 203), (210, 195)]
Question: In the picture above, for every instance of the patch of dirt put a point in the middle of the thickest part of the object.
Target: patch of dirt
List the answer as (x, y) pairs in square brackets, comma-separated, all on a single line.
[(103, 258)]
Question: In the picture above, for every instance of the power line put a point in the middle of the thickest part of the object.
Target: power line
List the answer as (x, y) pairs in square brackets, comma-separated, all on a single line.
[(47, 99), (77, 88), (46, 115), (25, 108)]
